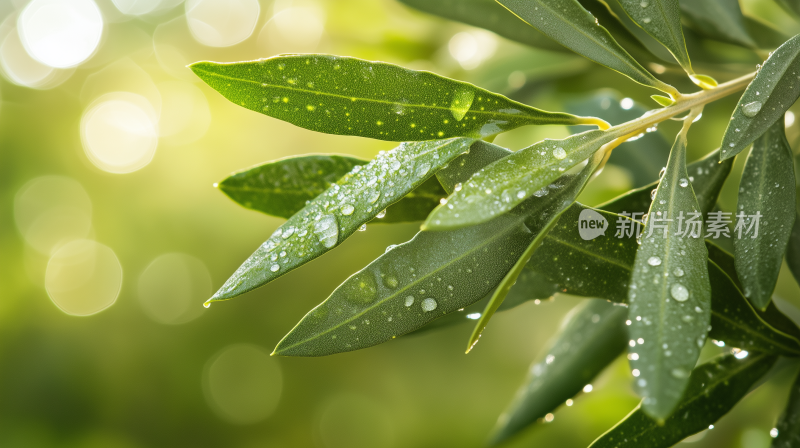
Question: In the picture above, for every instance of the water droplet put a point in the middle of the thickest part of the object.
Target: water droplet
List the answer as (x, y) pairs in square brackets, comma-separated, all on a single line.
[(521, 194), (773, 432), (362, 227), (644, 4), (654, 261), (409, 301), (680, 373), (391, 282), (462, 101), (458, 187), (275, 267), (288, 233), (381, 214), (687, 318), (662, 172), (327, 230), (207, 304), (751, 109), (422, 169), (679, 292), (683, 182), (549, 359), (653, 194), (677, 272), (374, 196), (559, 153), (646, 20), (428, 304), (347, 209), (697, 309)]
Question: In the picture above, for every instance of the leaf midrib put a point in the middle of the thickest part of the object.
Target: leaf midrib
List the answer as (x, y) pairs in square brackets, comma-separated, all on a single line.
[(517, 221), (526, 108)]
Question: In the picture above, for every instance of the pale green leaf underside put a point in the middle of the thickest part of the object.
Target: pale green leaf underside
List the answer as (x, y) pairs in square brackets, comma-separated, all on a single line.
[(489, 15), (713, 389), (333, 216), (774, 89), (669, 293), (504, 184), (594, 334), (568, 23), (349, 96), (767, 188), (662, 20)]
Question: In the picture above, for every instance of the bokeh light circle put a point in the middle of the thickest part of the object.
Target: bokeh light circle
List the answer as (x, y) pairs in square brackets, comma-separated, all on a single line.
[(297, 29), (185, 115), (61, 33), (350, 420), (52, 210), (173, 288), (83, 277), (242, 384), (136, 7), (119, 132), (222, 23)]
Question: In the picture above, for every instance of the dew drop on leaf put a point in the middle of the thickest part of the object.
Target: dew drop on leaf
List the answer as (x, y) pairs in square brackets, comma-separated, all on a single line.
[(428, 304), (679, 292), (347, 210), (409, 301), (654, 261), (559, 153), (327, 230), (751, 109)]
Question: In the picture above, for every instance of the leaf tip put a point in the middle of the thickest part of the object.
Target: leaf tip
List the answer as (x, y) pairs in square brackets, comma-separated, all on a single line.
[(703, 81), (663, 100)]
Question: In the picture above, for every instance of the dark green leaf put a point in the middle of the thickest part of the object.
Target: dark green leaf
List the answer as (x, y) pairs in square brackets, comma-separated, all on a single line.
[(718, 19), (788, 426), (568, 23), (765, 214), (281, 188), (502, 185), (714, 388), (669, 293), (793, 250), (489, 15), (652, 45), (592, 336), (571, 187), (601, 268), (765, 35), (644, 157), (662, 20), (434, 274), (774, 89), (348, 96), (333, 216)]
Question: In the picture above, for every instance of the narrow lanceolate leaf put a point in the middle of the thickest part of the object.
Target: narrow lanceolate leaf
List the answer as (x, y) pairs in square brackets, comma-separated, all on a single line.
[(765, 214), (718, 19), (571, 187), (334, 215), (434, 274), (774, 89), (714, 389), (568, 23), (793, 250), (788, 426), (489, 15), (283, 187), (504, 184), (662, 20), (669, 293), (592, 336), (348, 96)]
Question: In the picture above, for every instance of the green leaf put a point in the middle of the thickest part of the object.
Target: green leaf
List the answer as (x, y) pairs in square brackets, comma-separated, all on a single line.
[(333, 216), (718, 19), (766, 200), (789, 422), (662, 20), (790, 5), (769, 95), (282, 187), (669, 292), (592, 336), (571, 187), (642, 157), (504, 184), (662, 101), (489, 15), (707, 176), (713, 389), (434, 274), (480, 154), (568, 23), (652, 45), (349, 96), (793, 250)]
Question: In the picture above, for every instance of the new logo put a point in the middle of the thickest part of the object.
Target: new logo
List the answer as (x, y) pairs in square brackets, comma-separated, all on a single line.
[(591, 224)]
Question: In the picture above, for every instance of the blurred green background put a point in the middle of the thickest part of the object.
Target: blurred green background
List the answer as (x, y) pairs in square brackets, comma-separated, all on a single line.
[(112, 236)]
